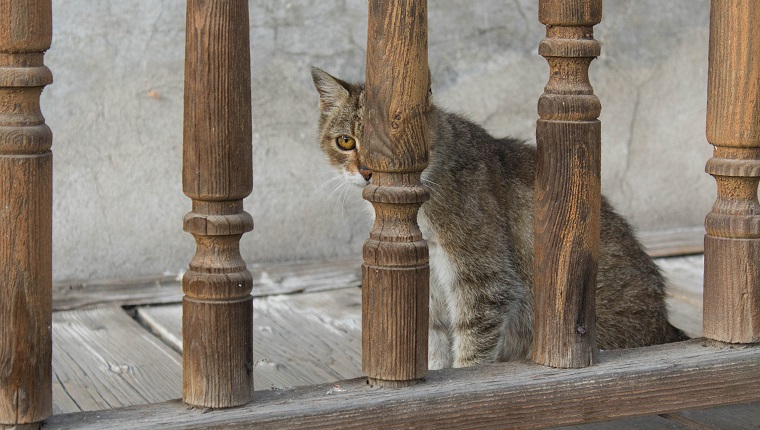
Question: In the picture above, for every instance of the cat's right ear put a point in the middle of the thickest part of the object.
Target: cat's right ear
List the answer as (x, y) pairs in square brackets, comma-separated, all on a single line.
[(332, 91)]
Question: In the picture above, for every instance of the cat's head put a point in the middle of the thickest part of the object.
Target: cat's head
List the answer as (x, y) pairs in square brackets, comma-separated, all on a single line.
[(341, 127)]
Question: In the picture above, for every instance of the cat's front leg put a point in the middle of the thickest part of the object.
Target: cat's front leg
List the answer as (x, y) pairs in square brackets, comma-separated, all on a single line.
[(475, 339), (489, 321), (492, 320), (439, 339)]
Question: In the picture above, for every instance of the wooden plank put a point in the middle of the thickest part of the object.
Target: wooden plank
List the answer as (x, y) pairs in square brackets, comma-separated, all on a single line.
[(652, 422), (268, 279), (103, 359), (743, 416), (287, 278), (117, 292), (298, 339), (26, 214), (625, 383), (684, 292), (667, 243)]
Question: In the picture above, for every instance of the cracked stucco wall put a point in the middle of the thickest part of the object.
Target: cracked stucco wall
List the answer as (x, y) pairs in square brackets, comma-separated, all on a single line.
[(116, 112)]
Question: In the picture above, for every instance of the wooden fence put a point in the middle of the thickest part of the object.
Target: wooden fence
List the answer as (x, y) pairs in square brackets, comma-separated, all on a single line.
[(217, 176)]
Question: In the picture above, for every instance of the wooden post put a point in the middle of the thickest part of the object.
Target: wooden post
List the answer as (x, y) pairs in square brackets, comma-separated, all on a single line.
[(732, 243), (395, 272), (568, 199), (26, 202), (217, 317)]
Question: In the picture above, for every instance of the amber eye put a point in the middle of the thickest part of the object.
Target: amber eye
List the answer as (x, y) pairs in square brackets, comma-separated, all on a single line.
[(346, 143)]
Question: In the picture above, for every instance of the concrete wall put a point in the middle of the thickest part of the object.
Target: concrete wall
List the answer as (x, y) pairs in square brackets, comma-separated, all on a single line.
[(116, 112)]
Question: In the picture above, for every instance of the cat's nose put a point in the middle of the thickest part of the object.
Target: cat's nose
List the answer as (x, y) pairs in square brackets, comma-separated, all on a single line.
[(365, 172)]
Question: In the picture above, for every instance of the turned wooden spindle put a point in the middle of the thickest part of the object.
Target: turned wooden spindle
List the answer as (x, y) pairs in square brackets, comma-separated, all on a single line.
[(567, 190), (732, 242), (217, 310), (26, 202), (395, 273)]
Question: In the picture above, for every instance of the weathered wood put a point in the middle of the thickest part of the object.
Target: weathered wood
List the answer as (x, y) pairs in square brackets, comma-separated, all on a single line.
[(289, 278), (268, 279), (395, 271), (568, 187), (217, 175), (300, 339), (742, 416), (103, 359), (652, 422), (26, 190), (624, 383), (667, 243), (732, 242)]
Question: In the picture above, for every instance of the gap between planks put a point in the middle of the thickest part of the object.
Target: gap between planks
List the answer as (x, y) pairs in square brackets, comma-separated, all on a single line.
[(297, 277), (298, 339), (268, 280)]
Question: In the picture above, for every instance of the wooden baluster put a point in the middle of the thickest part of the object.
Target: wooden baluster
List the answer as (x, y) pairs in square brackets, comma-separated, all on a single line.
[(217, 317), (26, 203), (732, 243), (568, 198), (395, 272)]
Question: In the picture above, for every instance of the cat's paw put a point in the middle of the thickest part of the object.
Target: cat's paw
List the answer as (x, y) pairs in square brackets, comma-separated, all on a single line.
[(461, 362), (438, 364)]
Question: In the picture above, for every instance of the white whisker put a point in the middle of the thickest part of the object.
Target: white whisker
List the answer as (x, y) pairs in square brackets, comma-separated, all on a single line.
[(325, 183), (338, 187), (342, 198), (430, 184)]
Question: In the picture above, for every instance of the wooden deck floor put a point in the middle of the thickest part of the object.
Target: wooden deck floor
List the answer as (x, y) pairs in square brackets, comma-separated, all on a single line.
[(120, 344)]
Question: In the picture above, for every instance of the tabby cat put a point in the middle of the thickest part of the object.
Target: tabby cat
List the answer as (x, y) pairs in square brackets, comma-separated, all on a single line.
[(480, 219)]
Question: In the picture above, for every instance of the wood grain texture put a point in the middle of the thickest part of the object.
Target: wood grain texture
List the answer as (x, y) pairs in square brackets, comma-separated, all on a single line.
[(742, 416), (300, 339), (217, 175), (103, 359), (26, 189), (268, 279), (567, 189), (625, 383), (395, 272), (732, 242), (673, 242)]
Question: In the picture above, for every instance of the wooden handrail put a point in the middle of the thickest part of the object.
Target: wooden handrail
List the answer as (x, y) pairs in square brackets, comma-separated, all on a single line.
[(217, 310), (26, 206), (732, 243), (625, 383), (567, 189), (395, 272)]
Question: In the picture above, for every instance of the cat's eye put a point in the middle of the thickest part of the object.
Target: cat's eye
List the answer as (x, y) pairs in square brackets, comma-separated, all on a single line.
[(346, 143)]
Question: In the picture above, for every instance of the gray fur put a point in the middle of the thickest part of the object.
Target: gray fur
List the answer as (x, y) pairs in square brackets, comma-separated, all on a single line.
[(480, 218)]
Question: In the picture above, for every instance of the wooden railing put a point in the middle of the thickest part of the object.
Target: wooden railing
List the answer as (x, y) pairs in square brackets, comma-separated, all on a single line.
[(217, 312), (567, 189), (217, 176), (26, 215)]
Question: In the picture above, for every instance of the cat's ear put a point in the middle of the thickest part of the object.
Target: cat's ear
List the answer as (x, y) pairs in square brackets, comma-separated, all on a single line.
[(332, 91)]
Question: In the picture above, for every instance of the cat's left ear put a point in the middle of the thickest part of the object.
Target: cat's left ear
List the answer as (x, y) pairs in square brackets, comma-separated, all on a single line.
[(332, 91)]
